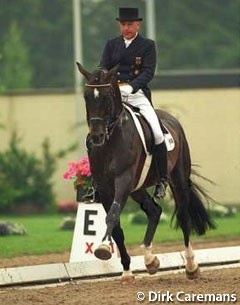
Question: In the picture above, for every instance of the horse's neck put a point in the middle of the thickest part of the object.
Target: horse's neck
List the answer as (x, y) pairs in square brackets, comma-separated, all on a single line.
[(117, 100)]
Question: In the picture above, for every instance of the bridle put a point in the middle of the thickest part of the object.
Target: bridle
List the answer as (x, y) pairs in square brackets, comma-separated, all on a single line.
[(112, 121), (98, 86)]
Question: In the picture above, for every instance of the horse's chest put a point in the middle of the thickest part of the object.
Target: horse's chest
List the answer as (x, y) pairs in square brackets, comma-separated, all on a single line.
[(111, 164)]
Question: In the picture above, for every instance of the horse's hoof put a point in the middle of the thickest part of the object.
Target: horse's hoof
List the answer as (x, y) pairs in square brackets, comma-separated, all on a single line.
[(103, 252), (128, 279), (152, 268), (192, 275)]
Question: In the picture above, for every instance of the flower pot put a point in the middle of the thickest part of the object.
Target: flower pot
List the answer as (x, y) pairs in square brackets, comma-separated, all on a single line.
[(80, 192)]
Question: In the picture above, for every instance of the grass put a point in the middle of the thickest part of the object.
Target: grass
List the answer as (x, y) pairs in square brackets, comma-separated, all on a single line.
[(227, 228), (44, 235)]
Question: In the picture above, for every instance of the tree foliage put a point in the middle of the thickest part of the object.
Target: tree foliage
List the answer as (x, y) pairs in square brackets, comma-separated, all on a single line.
[(16, 72), (191, 34), (199, 34)]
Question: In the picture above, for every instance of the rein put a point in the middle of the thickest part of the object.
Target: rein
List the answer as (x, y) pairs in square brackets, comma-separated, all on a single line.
[(114, 124)]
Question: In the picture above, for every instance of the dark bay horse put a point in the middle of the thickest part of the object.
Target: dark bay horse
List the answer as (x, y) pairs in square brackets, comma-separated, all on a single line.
[(116, 158)]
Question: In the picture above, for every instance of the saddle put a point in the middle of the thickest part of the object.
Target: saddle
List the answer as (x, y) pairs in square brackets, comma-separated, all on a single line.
[(145, 130)]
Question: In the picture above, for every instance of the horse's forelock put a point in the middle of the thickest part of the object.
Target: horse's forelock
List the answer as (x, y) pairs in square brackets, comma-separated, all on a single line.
[(103, 77), (99, 76)]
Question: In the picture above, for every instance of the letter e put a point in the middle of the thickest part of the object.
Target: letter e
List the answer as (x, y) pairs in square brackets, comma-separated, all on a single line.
[(88, 222)]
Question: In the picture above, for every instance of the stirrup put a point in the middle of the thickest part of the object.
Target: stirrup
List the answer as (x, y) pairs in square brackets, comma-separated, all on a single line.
[(92, 195), (160, 190)]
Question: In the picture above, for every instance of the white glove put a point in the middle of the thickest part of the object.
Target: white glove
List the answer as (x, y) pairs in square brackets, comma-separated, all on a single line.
[(126, 90)]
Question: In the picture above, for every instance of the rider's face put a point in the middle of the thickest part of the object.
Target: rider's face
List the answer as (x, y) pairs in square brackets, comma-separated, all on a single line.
[(129, 29)]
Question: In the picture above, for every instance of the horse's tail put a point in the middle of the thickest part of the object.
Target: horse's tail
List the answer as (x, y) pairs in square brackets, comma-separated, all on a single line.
[(192, 212), (199, 219)]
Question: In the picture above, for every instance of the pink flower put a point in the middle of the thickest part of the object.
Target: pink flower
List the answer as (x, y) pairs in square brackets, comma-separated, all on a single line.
[(83, 167), (79, 171), (67, 175)]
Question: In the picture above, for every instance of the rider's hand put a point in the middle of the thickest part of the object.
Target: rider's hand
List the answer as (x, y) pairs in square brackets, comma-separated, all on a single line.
[(126, 90)]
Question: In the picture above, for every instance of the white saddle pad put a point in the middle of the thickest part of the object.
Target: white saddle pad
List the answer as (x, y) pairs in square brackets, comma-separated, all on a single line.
[(168, 140)]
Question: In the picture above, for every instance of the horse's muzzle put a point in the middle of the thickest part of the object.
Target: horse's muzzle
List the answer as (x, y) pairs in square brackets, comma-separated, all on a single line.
[(98, 139), (97, 130)]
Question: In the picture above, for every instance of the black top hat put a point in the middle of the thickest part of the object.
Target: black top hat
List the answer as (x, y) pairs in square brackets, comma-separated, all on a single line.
[(128, 14)]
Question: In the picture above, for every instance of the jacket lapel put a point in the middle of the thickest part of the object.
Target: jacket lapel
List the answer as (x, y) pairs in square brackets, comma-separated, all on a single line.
[(136, 42), (119, 50)]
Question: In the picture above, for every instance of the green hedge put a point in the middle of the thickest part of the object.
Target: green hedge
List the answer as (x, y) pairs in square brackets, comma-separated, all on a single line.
[(25, 178)]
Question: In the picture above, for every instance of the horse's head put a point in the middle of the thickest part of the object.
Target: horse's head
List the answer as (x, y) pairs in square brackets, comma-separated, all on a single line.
[(103, 102)]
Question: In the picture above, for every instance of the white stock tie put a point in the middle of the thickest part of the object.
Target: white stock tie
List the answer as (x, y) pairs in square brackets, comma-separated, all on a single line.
[(127, 42)]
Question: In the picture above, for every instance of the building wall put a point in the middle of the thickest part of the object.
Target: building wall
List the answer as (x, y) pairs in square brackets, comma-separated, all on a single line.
[(211, 120), (36, 117), (210, 117)]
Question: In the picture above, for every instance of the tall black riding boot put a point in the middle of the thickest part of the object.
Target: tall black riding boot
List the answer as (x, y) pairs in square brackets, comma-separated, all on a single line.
[(161, 164)]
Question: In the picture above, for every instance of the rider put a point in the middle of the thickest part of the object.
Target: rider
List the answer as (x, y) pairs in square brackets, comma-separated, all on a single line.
[(136, 60)]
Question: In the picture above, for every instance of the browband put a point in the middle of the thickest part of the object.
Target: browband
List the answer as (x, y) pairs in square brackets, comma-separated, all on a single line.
[(98, 86)]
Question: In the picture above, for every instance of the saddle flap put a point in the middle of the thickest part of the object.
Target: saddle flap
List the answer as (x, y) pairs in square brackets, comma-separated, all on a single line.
[(148, 145)]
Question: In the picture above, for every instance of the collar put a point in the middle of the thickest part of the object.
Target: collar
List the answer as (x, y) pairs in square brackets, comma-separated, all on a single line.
[(129, 41)]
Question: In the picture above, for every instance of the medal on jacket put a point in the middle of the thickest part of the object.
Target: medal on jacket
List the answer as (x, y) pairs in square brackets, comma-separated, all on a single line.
[(138, 62)]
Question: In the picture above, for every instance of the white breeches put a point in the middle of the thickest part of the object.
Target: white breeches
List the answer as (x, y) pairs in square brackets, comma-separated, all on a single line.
[(139, 100)]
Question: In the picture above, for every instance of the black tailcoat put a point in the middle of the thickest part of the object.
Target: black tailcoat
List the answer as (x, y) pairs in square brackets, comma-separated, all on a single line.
[(137, 63)]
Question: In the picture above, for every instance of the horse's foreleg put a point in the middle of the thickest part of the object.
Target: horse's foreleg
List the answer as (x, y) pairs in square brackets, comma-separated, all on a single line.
[(127, 275), (113, 216), (153, 212), (112, 220)]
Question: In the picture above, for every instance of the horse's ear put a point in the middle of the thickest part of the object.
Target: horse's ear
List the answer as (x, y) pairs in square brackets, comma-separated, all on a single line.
[(113, 71), (84, 72)]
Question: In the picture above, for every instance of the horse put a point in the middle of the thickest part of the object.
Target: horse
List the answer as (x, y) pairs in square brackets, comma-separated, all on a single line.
[(116, 157)]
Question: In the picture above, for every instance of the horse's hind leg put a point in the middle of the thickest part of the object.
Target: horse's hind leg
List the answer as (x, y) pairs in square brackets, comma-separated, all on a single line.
[(181, 192), (153, 212)]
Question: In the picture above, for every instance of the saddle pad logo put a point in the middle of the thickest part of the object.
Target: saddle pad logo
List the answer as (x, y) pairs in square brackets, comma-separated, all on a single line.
[(169, 141)]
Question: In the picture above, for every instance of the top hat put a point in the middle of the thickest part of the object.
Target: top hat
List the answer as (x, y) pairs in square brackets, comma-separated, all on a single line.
[(128, 14)]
